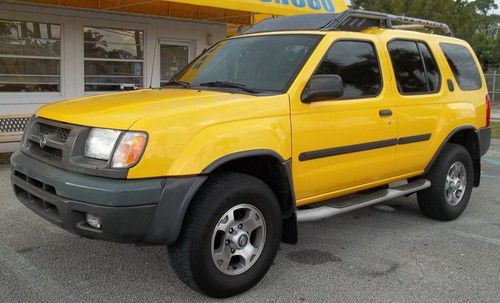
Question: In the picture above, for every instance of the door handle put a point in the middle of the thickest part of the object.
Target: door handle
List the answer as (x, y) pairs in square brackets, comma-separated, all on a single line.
[(385, 113)]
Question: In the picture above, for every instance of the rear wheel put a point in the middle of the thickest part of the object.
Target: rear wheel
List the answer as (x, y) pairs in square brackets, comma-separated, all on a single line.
[(452, 179), (230, 237)]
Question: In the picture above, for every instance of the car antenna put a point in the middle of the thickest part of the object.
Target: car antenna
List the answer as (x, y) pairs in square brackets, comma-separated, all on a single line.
[(157, 41)]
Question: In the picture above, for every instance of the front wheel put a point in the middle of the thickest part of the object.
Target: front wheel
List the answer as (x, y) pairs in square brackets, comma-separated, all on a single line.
[(452, 179), (230, 237)]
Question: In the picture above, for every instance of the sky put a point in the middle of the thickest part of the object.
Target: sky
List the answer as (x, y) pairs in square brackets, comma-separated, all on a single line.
[(496, 1)]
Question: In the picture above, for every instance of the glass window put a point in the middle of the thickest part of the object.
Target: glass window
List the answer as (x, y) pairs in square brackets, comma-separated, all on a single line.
[(173, 59), (463, 66), (415, 67), (433, 74), (30, 56), (114, 59), (267, 63), (408, 67), (357, 64)]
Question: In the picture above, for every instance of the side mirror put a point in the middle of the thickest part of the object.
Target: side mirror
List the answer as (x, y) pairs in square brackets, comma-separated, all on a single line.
[(323, 87)]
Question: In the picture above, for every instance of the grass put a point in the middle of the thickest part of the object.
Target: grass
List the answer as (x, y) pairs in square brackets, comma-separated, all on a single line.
[(495, 130)]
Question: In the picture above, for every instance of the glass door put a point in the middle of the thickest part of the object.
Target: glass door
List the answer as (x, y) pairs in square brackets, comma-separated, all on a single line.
[(174, 56)]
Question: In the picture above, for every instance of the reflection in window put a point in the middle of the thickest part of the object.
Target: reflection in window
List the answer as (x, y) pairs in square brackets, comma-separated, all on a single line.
[(433, 75), (408, 66), (173, 59), (114, 59), (267, 63), (415, 67), (30, 56), (463, 66), (357, 64)]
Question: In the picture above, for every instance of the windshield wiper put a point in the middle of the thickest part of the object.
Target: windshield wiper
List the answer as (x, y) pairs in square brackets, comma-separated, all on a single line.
[(176, 82), (230, 85)]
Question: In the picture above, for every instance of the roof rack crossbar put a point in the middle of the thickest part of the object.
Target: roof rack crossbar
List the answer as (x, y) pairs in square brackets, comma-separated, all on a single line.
[(359, 20)]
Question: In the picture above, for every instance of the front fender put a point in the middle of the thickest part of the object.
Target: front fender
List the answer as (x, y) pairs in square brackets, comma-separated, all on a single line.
[(183, 142), (215, 144)]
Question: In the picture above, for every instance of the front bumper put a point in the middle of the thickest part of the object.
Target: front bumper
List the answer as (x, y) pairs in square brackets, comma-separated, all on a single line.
[(147, 211)]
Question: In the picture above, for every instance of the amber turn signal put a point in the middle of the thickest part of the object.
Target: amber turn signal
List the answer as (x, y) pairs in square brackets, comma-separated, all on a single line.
[(129, 150)]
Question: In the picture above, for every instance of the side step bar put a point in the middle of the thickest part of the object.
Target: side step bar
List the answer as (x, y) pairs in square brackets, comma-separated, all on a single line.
[(356, 201)]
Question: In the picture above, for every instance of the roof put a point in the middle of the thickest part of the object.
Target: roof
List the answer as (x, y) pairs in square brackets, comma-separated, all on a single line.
[(350, 20), (293, 23)]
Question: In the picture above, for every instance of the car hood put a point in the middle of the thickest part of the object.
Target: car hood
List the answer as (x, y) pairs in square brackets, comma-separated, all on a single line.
[(121, 110)]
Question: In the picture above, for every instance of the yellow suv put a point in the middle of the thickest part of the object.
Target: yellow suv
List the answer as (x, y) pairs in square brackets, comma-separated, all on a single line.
[(298, 119)]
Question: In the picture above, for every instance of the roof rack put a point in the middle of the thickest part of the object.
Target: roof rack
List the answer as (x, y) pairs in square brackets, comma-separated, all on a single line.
[(358, 20), (350, 20)]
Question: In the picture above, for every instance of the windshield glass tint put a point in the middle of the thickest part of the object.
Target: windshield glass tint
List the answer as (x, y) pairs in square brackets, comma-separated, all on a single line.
[(261, 63)]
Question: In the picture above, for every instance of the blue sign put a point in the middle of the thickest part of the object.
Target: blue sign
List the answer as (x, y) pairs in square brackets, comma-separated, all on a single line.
[(326, 5)]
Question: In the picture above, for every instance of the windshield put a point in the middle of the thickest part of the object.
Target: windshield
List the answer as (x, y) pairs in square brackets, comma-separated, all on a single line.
[(259, 63)]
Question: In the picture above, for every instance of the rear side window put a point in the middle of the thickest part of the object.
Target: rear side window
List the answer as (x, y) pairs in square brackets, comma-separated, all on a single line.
[(415, 67), (357, 63), (463, 66)]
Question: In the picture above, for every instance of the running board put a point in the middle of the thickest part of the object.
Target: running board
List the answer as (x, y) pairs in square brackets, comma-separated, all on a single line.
[(356, 201)]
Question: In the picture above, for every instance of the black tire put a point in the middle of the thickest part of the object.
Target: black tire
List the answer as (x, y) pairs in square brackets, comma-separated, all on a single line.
[(432, 201), (191, 255)]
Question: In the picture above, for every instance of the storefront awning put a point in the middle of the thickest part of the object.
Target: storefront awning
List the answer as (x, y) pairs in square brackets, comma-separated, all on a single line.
[(274, 7), (226, 11)]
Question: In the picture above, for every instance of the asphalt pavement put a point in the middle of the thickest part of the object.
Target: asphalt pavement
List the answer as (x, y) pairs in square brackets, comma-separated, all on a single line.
[(380, 254)]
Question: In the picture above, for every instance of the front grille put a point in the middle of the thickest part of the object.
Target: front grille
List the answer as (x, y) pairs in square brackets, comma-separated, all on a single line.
[(46, 187), (52, 151), (58, 134), (48, 140), (45, 150), (34, 200)]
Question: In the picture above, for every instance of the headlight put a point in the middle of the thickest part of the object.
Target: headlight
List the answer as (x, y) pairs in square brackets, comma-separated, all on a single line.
[(100, 143), (129, 150)]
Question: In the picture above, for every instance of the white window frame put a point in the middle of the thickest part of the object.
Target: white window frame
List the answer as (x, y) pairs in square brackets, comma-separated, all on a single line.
[(25, 97), (143, 60)]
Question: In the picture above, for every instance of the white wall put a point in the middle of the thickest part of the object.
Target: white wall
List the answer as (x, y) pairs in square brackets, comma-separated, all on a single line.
[(73, 21)]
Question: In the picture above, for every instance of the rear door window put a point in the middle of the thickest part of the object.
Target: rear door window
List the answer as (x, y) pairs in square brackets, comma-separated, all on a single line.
[(433, 75), (415, 67), (356, 62), (463, 66)]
